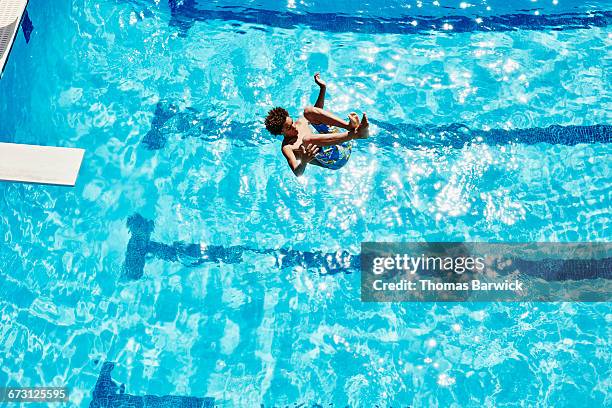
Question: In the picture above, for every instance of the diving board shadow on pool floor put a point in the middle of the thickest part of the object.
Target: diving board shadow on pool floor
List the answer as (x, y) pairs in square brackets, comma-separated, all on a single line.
[(108, 394), (169, 120), (140, 247)]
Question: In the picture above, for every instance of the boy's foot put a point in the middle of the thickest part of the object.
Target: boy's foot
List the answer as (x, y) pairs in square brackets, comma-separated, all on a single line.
[(363, 131), (319, 81)]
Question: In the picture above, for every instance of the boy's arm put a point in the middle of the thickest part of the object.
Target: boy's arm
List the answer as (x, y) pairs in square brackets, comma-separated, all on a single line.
[(298, 166), (320, 103)]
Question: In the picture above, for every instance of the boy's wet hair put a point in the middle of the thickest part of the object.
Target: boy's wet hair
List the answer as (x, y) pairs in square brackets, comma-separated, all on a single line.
[(276, 120)]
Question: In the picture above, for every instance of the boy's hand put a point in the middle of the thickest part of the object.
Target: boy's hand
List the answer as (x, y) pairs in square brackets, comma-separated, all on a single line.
[(319, 81), (310, 152)]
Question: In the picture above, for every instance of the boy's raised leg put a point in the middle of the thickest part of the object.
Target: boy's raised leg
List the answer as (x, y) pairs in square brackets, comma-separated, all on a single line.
[(320, 116)]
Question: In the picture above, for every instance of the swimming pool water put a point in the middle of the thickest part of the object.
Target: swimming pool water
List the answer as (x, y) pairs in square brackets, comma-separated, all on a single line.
[(169, 99)]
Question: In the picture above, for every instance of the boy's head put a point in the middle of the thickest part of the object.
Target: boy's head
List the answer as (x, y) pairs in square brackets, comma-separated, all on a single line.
[(278, 122)]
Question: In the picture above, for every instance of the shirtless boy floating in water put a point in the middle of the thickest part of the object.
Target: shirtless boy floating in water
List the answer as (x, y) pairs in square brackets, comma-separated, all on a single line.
[(326, 148)]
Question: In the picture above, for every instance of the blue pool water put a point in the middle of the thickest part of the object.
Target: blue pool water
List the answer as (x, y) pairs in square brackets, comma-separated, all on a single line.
[(491, 122)]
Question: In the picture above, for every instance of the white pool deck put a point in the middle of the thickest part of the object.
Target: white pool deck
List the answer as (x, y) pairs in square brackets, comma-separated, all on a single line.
[(40, 164), (11, 13)]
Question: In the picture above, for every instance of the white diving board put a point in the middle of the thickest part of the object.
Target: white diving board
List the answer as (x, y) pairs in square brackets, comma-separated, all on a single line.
[(40, 164), (11, 13)]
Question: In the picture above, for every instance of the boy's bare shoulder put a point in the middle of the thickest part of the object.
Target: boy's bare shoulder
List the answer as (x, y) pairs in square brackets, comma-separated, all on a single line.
[(288, 145)]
